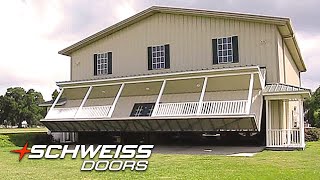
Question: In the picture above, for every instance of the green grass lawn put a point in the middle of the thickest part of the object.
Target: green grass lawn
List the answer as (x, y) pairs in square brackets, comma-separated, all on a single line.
[(21, 130), (265, 165)]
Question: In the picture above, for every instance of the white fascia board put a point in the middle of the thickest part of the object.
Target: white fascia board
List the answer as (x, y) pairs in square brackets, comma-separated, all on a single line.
[(155, 76)]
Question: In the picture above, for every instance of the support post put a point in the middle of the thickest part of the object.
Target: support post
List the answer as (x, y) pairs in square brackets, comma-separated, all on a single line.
[(249, 101), (267, 124), (156, 106), (83, 101), (204, 86), (288, 122), (115, 100), (55, 101), (301, 127)]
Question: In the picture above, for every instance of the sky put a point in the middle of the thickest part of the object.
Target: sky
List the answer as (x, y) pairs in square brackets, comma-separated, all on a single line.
[(33, 31)]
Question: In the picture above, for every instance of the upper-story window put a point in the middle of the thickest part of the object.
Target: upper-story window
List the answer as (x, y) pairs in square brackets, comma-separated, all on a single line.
[(159, 57), (225, 50), (102, 63)]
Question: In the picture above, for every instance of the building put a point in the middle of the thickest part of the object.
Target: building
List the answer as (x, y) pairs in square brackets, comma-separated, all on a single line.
[(185, 70)]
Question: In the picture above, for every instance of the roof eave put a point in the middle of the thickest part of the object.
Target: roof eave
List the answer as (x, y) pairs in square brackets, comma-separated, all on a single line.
[(107, 31), (156, 9), (304, 93), (288, 35)]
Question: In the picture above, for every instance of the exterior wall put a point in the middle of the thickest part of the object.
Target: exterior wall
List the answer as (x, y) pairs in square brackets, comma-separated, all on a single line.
[(72, 103), (291, 71), (288, 71), (276, 115), (125, 104), (282, 115), (190, 39), (99, 102)]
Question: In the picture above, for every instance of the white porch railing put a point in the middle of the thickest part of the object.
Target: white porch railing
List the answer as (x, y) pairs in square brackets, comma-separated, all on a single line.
[(283, 138), (177, 109), (58, 113), (207, 108), (84, 112), (223, 107), (94, 112)]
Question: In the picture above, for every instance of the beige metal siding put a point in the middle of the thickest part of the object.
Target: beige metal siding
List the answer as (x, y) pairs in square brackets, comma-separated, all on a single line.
[(190, 39), (276, 117), (292, 73), (125, 105), (288, 71)]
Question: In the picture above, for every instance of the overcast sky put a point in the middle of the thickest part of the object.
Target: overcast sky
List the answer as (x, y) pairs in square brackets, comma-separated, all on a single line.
[(32, 32)]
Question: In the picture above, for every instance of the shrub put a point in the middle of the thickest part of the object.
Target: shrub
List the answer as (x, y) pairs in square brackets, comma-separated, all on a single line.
[(32, 138), (20, 139), (312, 134), (5, 141)]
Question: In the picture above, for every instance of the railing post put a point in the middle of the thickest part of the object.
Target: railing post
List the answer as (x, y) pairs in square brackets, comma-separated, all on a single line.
[(83, 101), (249, 101), (156, 106), (204, 86), (55, 102), (115, 100)]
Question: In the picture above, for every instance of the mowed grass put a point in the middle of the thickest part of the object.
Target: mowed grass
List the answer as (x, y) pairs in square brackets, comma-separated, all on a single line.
[(265, 165), (21, 130)]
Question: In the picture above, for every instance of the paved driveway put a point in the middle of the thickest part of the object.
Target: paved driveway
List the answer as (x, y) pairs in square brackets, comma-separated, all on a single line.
[(207, 150)]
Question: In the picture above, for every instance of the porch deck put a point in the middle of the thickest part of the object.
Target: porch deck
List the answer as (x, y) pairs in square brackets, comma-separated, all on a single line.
[(204, 98)]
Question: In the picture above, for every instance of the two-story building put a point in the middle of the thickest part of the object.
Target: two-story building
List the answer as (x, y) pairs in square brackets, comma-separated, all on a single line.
[(185, 70)]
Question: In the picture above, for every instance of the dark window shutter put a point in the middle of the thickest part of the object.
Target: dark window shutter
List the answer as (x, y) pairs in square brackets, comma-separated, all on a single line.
[(149, 58), (109, 62), (167, 56), (235, 49), (215, 51), (95, 64)]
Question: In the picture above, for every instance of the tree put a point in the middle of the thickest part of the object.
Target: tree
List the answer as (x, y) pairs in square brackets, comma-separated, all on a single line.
[(55, 94), (312, 106), (18, 105)]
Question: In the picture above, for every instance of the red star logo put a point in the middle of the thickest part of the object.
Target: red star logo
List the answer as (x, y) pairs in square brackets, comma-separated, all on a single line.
[(22, 151)]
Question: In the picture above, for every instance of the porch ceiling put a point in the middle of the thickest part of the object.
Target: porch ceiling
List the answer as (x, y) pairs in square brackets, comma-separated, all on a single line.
[(75, 93), (104, 92), (232, 83), (141, 89)]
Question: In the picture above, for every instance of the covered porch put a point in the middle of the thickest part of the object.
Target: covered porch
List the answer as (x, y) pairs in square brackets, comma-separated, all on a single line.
[(207, 101), (285, 116)]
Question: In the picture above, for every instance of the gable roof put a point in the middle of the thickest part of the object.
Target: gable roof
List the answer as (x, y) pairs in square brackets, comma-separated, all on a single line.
[(283, 24)]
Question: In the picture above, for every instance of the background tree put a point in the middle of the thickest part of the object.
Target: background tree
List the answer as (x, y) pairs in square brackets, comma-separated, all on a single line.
[(55, 94), (18, 105), (312, 106)]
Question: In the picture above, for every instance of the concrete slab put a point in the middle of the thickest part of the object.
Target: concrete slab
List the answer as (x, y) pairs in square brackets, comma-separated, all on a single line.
[(209, 150)]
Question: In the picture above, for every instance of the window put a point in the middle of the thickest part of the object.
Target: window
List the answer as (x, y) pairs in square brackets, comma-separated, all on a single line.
[(142, 109), (225, 54), (225, 50), (158, 57), (103, 63)]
